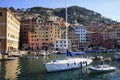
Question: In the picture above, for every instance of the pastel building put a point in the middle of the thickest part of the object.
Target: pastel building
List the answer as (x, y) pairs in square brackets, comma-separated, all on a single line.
[(109, 37), (81, 31), (29, 30), (88, 38), (95, 39), (74, 39), (50, 31), (61, 44), (34, 40), (117, 36), (108, 33), (9, 31)]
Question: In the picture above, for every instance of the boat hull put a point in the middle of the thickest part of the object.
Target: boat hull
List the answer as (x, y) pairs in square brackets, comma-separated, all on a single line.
[(117, 55), (61, 65), (101, 69)]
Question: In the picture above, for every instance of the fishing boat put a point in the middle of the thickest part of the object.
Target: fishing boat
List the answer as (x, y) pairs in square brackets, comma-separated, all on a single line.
[(102, 68), (117, 55), (67, 64)]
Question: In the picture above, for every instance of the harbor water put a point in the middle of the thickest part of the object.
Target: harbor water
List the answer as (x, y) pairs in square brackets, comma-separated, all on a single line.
[(34, 69)]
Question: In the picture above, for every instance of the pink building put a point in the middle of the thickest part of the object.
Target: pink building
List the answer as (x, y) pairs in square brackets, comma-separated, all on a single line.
[(95, 39), (34, 42), (109, 44)]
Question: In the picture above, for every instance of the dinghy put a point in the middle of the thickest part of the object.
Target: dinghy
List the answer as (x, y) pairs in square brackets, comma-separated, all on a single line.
[(102, 68)]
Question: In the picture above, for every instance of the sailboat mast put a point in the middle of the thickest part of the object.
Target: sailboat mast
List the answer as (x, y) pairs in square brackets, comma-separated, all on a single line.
[(66, 25)]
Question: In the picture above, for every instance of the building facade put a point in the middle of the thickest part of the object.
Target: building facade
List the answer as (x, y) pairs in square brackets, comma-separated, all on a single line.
[(61, 44), (9, 31), (95, 39), (30, 33), (81, 31), (117, 37)]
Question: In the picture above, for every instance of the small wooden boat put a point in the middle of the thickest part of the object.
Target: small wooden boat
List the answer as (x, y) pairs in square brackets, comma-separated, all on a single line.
[(102, 68)]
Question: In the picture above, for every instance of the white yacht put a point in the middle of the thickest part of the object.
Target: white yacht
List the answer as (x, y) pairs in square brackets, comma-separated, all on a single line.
[(67, 64)]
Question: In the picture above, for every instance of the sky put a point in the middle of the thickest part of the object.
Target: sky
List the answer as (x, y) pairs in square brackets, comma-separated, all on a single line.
[(108, 8)]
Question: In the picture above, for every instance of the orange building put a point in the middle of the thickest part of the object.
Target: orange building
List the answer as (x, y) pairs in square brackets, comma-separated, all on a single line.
[(51, 31), (29, 32)]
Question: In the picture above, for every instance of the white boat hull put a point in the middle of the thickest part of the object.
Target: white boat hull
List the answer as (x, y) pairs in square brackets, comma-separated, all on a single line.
[(67, 64), (102, 69), (117, 55)]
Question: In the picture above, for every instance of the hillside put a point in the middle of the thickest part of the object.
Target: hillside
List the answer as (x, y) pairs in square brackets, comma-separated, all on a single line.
[(82, 15)]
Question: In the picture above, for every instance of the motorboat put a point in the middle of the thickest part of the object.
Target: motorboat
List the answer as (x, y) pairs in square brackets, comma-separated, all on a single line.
[(67, 64), (102, 68), (117, 55)]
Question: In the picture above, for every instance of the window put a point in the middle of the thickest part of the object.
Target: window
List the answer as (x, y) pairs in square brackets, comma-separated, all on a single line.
[(0, 13)]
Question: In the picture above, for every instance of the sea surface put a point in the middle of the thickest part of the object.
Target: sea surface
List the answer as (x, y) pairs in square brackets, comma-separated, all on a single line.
[(34, 69)]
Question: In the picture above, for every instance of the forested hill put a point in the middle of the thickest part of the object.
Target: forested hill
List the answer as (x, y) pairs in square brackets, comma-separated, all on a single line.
[(82, 15)]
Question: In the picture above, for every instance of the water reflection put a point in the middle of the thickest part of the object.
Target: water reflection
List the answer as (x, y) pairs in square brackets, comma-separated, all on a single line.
[(34, 69), (80, 74), (66, 75), (9, 70)]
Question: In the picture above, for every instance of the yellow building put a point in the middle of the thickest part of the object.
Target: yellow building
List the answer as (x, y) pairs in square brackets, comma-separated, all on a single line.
[(9, 31), (50, 31)]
